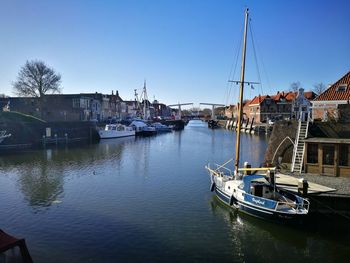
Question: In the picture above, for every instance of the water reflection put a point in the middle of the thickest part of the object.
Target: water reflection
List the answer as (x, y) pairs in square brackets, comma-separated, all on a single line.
[(41, 174), (254, 238)]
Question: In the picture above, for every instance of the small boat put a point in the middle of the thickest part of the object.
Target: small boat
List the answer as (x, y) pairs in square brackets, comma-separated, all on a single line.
[(258, 195), (141, 128), (3, 136), (161, 127), (254, 194), (116, 131)]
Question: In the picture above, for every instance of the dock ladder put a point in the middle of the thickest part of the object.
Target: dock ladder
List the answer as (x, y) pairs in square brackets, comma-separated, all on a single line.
[(299, 146)]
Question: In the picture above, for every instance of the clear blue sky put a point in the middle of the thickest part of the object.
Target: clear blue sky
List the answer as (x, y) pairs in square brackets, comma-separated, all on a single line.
[(183, 48)]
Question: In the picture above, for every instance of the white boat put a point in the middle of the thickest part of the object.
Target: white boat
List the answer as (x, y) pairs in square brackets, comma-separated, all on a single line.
[(116, 131), (3, 136), (141, 128), (255, 194), (161, 127)]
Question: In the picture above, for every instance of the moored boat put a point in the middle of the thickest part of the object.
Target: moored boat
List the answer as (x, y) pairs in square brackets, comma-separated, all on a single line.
[(116, 131), (141, 128), (256, 194), (161, 127)]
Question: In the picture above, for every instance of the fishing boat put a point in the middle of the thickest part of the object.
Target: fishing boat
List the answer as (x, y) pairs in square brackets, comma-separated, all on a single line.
[(253, 190), (116, 131)]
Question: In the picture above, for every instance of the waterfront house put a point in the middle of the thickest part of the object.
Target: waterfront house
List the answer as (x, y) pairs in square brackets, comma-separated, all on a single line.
[(231, 111), (68, 107), (326, 105), (283, 105)]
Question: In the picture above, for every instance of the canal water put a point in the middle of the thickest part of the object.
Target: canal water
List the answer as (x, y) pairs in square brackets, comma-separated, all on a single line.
[(148, 200)]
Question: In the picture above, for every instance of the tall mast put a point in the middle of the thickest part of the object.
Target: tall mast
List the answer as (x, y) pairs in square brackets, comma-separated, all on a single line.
[(144, 101), (240, 105)]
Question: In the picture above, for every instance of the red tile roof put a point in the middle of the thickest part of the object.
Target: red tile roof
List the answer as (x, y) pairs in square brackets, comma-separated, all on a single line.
[(257, 100), (332, 94)]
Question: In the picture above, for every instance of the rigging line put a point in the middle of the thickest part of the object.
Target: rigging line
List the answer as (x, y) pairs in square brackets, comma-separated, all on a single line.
[(255, 56), (229, 85), (263, 64)]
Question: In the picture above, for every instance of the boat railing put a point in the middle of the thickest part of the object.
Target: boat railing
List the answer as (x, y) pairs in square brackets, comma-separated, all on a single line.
[(296, 206), (256, 169)]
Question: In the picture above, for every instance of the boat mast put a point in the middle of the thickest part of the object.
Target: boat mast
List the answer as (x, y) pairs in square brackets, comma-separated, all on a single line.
[(144, 101), (240, 105)]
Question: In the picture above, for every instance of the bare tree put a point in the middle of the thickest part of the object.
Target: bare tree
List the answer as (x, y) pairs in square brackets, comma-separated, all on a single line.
[(319, 88), (295, 86), (36, 79)]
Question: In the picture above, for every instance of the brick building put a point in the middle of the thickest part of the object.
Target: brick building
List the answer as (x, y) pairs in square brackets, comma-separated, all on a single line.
[(326, 105)]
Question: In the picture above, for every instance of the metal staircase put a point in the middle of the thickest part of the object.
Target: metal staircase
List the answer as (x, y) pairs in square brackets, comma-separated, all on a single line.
[(299, 146)]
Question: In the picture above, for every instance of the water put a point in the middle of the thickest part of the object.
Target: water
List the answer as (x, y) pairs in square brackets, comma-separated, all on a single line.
[(147, 200)]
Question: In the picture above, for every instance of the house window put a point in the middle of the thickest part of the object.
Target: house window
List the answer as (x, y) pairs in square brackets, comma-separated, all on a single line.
[(342, 88), (328, 154), (312, 153), (76, 103), (343, 155)]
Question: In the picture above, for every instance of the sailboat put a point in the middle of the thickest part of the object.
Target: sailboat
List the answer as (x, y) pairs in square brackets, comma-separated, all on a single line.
[(254, 194), (140, 125)]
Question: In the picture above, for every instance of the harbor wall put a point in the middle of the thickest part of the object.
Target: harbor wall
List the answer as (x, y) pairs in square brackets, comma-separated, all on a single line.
[(34, 134), (281, 130)]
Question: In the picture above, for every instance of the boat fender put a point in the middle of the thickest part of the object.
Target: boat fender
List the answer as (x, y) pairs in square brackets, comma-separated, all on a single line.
[(232, 199), (212, 187)]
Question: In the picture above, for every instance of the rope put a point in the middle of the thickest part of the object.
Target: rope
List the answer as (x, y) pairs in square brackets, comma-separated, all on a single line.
[(224, 164), (255, 56), (333, 210), (230, 84)]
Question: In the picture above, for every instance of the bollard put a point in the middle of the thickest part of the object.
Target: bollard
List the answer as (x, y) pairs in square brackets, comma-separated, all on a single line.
[(271, 176), (66, 136), (247, 165), (303, 186)]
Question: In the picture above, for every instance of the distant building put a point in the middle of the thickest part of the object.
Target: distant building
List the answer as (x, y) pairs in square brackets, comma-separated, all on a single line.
[(161, 110), (64, 107), (283, 105), (326, 105)]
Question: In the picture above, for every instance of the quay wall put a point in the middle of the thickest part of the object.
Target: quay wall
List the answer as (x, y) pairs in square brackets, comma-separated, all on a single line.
[(32, 134), (281, 130)]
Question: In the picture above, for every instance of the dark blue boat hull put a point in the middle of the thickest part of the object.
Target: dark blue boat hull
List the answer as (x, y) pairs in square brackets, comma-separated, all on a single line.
[(258, 211)]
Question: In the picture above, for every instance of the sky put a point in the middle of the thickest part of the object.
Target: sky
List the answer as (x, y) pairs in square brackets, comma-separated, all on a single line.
[(186, 50)]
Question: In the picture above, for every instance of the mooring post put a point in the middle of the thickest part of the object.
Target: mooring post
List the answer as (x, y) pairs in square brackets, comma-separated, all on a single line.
[(247, 165), (303, 186)]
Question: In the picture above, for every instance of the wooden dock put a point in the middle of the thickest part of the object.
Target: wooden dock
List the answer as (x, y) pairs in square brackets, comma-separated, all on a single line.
[(290, 183)]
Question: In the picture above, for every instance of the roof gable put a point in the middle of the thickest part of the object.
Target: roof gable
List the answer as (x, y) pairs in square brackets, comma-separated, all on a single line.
[(333, 93)]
